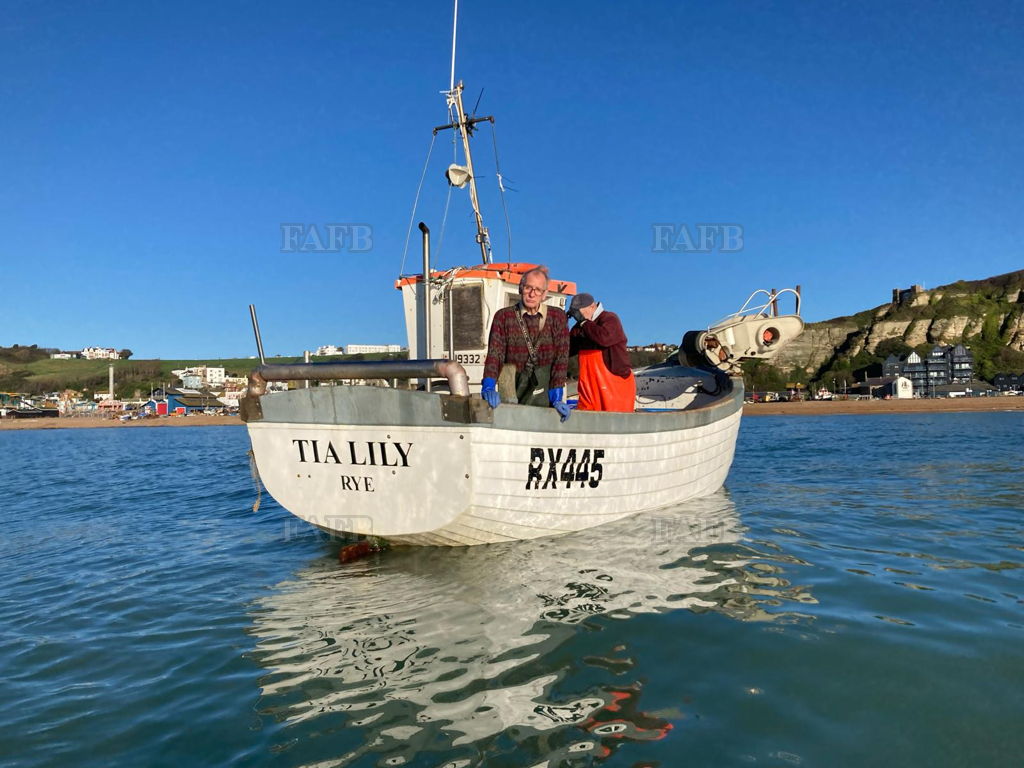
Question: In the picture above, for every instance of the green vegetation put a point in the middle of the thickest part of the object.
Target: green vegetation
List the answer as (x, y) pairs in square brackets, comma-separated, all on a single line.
[(762, 376), (20, 354), (36, 373)]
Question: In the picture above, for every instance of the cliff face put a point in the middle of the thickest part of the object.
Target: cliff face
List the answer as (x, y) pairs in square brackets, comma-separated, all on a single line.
[(815, 347), (988, 314)]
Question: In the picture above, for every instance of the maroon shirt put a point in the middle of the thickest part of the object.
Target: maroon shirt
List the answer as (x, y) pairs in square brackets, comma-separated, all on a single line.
[(507, 345), (604, 332)]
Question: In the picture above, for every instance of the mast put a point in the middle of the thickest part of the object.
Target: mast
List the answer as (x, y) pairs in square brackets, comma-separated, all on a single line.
[(460, 175), (465, 126)]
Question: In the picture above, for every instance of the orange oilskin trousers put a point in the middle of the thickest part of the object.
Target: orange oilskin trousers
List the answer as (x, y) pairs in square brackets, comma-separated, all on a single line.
[(600, 389)]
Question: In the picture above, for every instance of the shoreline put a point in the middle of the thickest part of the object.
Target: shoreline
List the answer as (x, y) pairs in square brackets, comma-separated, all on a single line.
[(854, 407), (102, 422), (802, 408)]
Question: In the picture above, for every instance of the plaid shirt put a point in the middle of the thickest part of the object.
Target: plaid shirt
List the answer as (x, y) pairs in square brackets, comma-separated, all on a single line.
[(507, 345)]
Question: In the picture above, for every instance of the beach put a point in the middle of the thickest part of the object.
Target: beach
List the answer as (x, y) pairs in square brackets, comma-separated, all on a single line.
[(73, 422), (803, 408), (934, 405)]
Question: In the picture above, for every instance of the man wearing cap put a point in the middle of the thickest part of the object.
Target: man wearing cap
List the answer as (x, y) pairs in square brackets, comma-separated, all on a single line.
[(528, 350), (606, 378)]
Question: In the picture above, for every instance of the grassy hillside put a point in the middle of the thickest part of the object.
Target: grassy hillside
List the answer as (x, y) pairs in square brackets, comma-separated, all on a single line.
[(130, 376)]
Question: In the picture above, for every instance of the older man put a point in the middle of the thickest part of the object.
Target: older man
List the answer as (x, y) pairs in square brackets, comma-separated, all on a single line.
[(528, 349), (606, 378)]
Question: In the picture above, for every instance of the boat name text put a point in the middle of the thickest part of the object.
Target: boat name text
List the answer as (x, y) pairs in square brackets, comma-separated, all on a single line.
[(550, 466), (372, 453)]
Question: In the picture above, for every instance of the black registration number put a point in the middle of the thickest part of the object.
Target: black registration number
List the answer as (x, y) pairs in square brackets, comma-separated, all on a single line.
[(571, 467)]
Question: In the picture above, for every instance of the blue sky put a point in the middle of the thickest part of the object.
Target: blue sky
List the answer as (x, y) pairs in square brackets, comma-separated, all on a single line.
[(149, 153)]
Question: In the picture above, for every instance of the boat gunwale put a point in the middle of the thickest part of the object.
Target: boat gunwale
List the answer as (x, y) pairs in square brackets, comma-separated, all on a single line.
[(361, 406)]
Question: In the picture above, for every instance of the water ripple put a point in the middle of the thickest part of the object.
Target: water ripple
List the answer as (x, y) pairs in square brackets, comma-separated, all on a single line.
[(859, 576)]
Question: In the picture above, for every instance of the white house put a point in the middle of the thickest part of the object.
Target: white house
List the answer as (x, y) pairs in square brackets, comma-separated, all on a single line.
[(99, 353), (329, 349)]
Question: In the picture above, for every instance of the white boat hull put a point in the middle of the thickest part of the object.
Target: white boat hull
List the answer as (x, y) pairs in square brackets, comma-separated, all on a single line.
[(447, 483)]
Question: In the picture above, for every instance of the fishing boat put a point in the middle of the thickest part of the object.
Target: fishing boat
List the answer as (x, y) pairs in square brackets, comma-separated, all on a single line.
[(435, 465)]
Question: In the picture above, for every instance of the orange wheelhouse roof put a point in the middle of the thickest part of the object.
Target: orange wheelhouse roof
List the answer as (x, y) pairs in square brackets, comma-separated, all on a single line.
[(509, 272)]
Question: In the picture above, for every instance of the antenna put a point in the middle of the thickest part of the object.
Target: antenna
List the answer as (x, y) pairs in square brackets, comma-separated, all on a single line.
[(461, 175), (455, 29)]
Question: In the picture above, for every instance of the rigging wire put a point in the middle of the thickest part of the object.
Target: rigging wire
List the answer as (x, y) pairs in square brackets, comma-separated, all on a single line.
[(448, 198), (415, 203), (501, 189)]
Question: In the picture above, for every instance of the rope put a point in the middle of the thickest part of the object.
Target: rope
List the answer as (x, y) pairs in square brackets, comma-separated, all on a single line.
[(255, 472), (501, 190), (416, 202), (448, 199)]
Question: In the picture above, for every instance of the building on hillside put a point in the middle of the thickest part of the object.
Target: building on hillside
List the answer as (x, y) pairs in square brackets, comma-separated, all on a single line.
[(329, 349), (100, 353), (904, 295), (201, 377), (65, 355), (363, 349)]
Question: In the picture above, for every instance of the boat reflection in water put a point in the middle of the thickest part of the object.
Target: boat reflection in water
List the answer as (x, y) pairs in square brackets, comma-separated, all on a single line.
[(439, 650)]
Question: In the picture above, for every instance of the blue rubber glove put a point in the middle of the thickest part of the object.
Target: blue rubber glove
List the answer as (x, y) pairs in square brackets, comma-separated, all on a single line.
[(555, 398), (489, 392)]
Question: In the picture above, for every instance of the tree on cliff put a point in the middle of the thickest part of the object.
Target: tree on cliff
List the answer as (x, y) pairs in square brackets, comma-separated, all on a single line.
[(124, 354)]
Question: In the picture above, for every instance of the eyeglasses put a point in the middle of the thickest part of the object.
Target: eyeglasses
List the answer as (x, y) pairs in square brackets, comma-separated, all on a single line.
[(533, 289)]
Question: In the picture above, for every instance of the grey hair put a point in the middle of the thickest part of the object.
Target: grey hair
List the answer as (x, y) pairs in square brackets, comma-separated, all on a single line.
[(540, 269)]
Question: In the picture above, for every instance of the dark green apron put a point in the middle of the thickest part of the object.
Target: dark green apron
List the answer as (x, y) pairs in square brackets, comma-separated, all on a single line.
[(530, 384)]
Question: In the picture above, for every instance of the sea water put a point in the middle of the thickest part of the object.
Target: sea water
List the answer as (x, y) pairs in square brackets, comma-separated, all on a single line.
[(853, 597)]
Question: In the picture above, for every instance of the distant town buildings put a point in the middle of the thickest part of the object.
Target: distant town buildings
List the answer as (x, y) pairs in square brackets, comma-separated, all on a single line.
[(89, 353), (201, 377), (363, 349), (1008, 382), (356, 349), (897, 387), (656, 347)]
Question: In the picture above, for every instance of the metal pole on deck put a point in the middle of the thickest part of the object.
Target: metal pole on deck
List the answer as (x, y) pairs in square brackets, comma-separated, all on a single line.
[(426, 297), (256, 330), (305, 359)]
